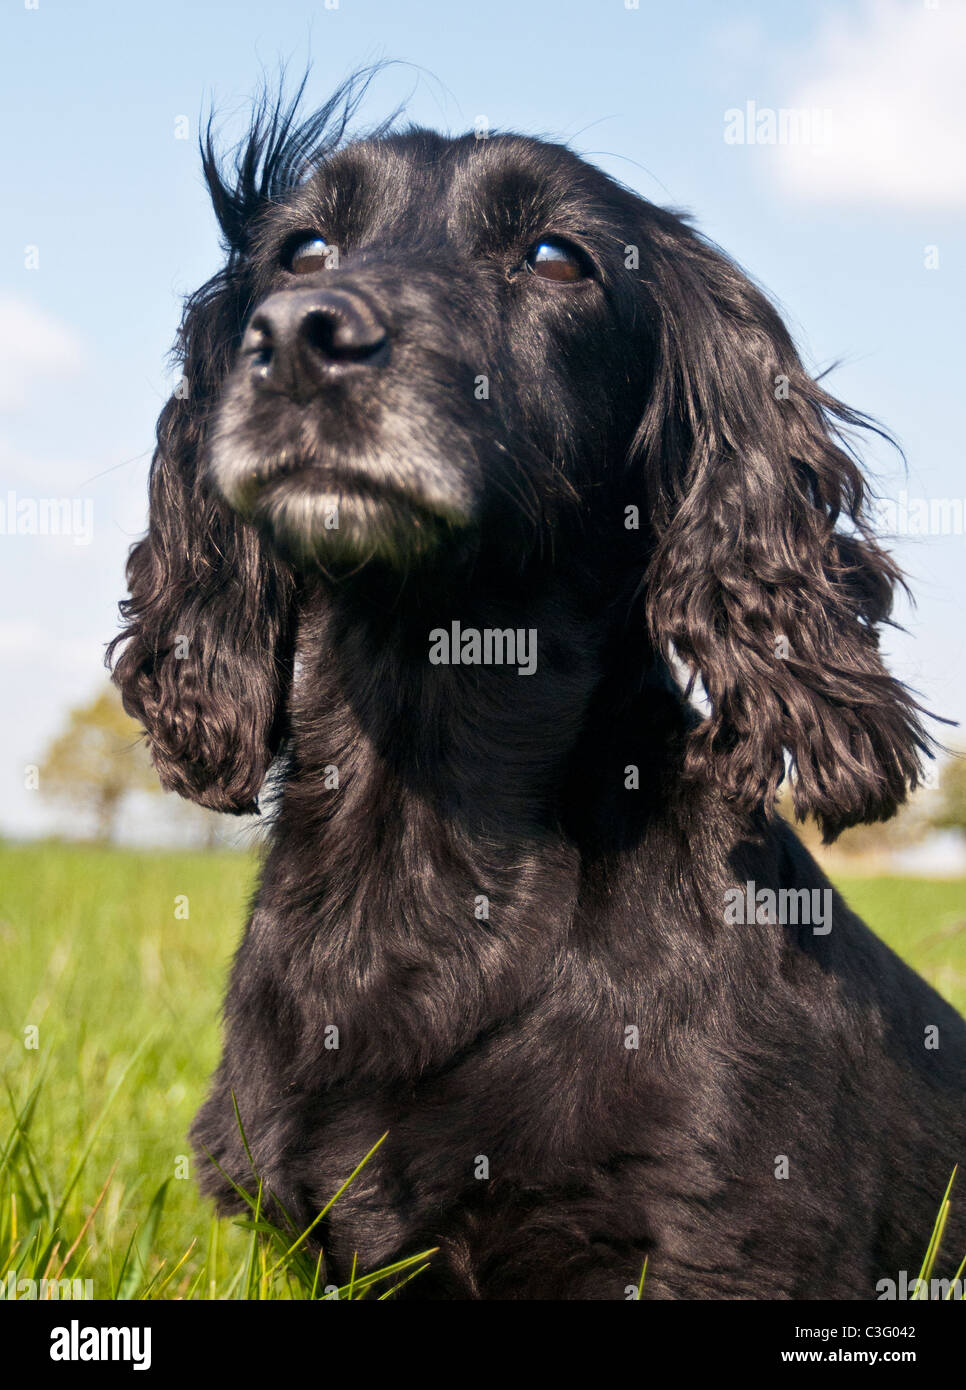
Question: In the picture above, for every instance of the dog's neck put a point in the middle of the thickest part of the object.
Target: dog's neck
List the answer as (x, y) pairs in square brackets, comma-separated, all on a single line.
[(404, 699), (467, 699), (437, 820)]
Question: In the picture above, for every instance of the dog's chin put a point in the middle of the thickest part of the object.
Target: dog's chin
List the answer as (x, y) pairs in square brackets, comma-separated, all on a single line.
[(317, 519)]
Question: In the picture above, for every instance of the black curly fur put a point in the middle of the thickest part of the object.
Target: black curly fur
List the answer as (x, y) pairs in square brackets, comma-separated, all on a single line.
[(468, 900)]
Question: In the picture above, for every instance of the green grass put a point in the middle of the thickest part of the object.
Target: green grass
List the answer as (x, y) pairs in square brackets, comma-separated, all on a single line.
[(124, 994), (95, 958), (923, 920)]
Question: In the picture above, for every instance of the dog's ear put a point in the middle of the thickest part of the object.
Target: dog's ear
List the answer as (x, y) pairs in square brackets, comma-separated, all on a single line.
[(765, 577), (206, 653), (204, 657)]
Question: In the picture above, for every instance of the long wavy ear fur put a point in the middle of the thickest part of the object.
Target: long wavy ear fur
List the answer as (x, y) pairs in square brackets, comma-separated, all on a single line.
[(766, 579), (204, 658)]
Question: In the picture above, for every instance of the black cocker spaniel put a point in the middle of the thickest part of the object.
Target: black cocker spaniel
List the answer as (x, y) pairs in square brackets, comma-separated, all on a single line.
[(475, 450)]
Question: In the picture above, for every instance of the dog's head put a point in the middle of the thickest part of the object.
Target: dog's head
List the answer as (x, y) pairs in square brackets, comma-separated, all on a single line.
[(443, 340), (423, 350)]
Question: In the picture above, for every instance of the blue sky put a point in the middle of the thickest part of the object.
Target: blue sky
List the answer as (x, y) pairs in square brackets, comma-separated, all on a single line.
[(857, 233)]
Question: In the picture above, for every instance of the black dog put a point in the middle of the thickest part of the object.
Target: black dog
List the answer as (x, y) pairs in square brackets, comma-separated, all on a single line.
[(525, 907)]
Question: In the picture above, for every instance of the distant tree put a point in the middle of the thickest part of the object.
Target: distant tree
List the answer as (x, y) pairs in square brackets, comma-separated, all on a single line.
[(96, 760), (948, 811)]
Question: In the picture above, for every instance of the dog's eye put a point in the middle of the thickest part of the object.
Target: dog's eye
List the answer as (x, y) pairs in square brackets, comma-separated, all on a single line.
[(308, 254), (554, 259)]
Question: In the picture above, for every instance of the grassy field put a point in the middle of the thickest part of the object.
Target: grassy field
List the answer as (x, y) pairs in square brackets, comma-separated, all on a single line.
[(112, 964)]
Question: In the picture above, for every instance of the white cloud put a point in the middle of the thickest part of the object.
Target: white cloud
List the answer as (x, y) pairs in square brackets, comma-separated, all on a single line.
[(891, 78), (34, 347)]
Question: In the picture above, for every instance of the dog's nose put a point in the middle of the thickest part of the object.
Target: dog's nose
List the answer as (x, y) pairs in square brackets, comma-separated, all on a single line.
[(299, 339)]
